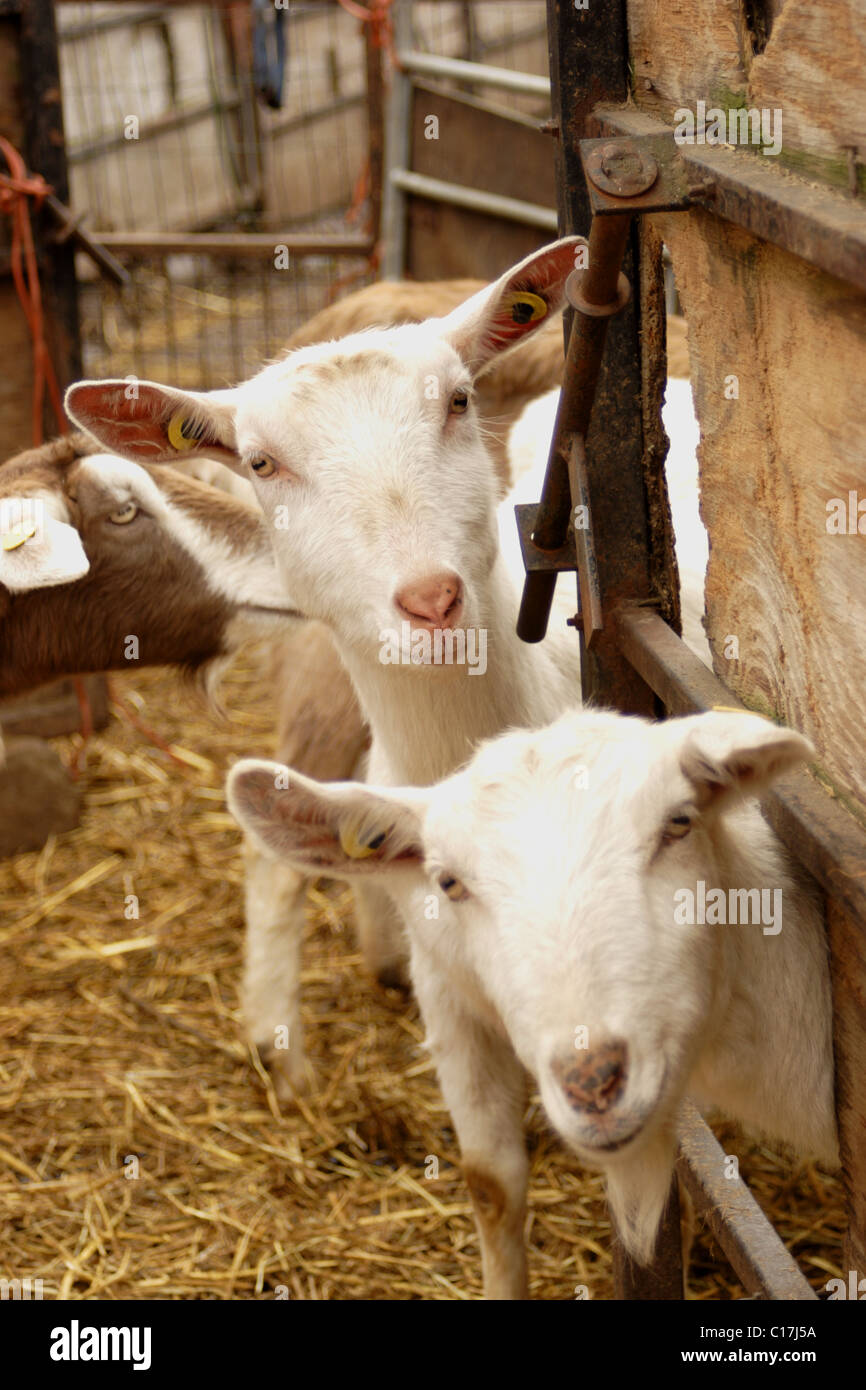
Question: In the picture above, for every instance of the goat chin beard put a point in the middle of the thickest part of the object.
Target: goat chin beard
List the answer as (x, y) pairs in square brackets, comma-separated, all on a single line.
[(637, 1190)]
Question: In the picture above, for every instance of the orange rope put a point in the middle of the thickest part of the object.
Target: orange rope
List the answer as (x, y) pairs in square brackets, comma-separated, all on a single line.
[(15, 188), (378, 17)]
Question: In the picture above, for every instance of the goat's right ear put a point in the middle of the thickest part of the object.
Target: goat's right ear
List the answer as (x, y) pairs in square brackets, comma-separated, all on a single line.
[(729, 753), (504, 314), (339, 828), (149, 423)]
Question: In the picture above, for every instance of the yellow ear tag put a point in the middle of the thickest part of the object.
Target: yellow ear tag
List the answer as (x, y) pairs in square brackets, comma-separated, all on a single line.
[(352, 846), (18, 534), (526, 308), (728, 709), (179, 433)]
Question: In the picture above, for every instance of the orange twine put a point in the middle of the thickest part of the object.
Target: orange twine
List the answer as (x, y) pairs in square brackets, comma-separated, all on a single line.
[(15, 189)]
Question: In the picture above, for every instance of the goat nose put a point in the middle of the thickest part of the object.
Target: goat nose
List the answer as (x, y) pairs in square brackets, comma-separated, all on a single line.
[(436, 599), (595, 1082)]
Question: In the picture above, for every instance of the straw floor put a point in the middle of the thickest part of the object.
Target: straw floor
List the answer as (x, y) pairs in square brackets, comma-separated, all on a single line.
[(142, 1152)]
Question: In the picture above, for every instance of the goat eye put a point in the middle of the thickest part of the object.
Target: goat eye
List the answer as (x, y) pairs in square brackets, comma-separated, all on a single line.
[(128, 512), (677, 828), (263, 467), (459, 403), (453, 888)]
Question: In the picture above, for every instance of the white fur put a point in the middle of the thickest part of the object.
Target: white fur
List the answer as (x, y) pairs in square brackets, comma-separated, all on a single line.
[(529, 440), (558, 837)]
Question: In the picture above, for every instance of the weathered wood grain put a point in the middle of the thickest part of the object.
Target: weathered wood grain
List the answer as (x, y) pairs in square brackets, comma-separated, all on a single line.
[(778, 364), (814, 71)]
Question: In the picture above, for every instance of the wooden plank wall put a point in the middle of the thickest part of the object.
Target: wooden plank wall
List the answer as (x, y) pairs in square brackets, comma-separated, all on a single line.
[(791, 592), (778, 356)]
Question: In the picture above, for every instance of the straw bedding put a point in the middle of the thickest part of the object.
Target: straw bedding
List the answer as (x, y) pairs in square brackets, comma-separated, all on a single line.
[(122, 1041)]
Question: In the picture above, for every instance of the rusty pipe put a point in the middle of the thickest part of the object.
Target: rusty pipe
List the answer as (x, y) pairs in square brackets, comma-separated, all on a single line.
[(594, 293)]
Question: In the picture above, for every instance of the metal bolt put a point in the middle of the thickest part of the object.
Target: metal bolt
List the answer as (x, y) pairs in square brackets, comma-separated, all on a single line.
[(620, 168)]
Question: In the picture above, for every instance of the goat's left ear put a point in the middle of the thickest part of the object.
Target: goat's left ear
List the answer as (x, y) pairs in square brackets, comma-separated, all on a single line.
[(729, 754), (149, 423), (36, 550), (339, 828), (519, 303)]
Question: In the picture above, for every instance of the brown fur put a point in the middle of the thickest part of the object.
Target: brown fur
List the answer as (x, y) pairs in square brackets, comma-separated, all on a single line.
[(140, 583)]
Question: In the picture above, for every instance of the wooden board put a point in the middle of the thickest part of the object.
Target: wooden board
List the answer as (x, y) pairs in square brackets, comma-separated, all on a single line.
[(479, 146), (811, 71), (786, 437)]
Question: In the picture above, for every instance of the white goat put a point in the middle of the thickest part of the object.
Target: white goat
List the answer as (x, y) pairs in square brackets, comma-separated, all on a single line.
[(368, 460), (369, 463), (546, 891)]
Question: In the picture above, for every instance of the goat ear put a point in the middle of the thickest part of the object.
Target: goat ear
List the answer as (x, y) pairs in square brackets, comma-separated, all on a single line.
[(149, 423), (733, 754), (339, 828), (36, 550), (504, 314)]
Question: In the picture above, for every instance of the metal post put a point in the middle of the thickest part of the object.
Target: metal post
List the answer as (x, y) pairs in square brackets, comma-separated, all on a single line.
[(45, 153), (589, 64), (398, 143)]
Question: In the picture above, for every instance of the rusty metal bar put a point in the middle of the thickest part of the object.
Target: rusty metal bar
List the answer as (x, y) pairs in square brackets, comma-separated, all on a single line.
[(594, 293), (820, 225), (374, 57), (589, 583), (44, 151), (70, 225), (756, 1252)]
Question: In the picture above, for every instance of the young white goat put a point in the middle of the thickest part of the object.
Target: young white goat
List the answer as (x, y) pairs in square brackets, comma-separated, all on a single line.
[(369, 463), (547, 891)]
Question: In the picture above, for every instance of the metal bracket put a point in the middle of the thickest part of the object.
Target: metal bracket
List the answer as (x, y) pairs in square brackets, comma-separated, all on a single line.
[(643, 173), (536, 560)]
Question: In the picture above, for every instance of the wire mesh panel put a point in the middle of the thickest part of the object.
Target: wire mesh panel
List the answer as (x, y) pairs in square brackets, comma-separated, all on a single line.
[(181, 119)]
